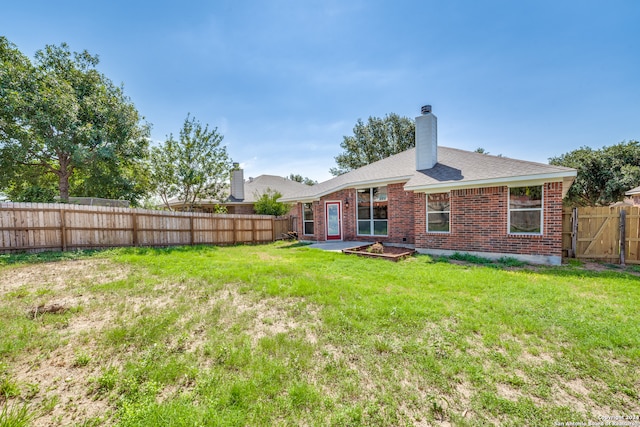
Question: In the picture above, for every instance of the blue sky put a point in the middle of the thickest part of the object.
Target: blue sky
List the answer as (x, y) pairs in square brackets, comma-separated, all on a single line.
[(284, 81)]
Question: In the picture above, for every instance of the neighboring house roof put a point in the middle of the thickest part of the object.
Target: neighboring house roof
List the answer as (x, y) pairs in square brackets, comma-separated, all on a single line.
[(455, 169), (633, 192), (253, 189), (256, 187), (397, 168), (97, 201)]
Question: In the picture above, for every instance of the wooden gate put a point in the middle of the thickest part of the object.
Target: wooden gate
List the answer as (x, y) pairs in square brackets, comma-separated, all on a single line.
[(610, 234), (281, 226)]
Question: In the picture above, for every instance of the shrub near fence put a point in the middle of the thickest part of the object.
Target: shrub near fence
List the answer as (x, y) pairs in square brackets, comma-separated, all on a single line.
[(48, 226)]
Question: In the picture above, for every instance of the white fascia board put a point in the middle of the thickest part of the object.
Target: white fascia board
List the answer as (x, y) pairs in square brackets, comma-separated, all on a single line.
[(378, 182), (632, 192), (306, 199), (356, 185), (508, 181)]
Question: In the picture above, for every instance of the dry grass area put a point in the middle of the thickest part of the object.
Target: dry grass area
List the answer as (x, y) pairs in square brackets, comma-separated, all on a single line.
[(137, 339), (59, 386)]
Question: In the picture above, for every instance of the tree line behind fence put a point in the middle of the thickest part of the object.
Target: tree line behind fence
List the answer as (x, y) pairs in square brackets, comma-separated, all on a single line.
[(48, 226)]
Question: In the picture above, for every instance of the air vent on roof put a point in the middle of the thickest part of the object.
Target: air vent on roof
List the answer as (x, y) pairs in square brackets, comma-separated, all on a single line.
[(426, 109)]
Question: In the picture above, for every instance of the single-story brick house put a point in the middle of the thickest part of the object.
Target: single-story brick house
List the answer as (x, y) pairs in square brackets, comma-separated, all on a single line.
[(442, 200)]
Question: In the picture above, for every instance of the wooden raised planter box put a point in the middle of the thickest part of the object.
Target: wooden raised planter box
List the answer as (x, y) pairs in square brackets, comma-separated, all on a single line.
[(392, 253)]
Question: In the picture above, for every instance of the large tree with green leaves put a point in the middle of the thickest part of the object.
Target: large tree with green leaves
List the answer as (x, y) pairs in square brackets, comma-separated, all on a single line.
[(194, 167), (61, 117), (375, 140), (30, 185), (604, 175)]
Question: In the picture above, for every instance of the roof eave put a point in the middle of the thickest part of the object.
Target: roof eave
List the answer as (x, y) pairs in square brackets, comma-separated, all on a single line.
[(509, 180), (359, 184), (633, 192)]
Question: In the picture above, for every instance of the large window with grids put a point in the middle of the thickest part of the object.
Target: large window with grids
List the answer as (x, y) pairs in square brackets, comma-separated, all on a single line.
[(307, 218), (525, 210), (438, 212), (372, 211)]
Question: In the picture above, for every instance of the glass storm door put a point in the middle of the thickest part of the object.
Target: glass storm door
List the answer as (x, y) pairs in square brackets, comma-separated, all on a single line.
[(332, 210)]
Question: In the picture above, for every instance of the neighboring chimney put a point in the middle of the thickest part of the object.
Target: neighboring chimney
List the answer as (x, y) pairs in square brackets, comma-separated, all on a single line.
[(426, 139), (237, 182)]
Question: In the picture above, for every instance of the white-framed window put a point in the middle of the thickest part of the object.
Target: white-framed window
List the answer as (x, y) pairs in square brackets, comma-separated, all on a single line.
[(307, 218), (525, 210), (372, 211), (438, 212)]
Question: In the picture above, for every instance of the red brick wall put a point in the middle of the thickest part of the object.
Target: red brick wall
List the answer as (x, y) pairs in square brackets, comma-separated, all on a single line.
[(297, 212), (400, 213), (246, 209), (479, 223)]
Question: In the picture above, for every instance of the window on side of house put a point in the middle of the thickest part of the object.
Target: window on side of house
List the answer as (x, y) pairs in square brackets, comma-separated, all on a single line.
[(438, 213), (307, 218), (372, 211), (525, 210)]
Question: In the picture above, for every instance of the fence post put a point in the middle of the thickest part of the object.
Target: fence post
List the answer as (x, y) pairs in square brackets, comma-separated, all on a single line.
[(191, 239), (253, 231), (235, 237), (574, 233), (273, 228), (623, 242), (134, 221), (63, 230)]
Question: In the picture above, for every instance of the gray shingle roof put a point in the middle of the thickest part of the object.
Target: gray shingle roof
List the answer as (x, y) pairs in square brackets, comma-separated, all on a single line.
[(460, 166), (455, 168), (256, 187), (633, 191), (396, 168)]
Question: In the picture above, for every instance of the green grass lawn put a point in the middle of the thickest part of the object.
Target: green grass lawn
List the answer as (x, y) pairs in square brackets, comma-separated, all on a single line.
[(286, 335)]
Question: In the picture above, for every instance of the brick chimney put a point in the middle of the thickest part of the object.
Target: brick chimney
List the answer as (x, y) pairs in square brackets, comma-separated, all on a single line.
[(426, 139), (237, 183)]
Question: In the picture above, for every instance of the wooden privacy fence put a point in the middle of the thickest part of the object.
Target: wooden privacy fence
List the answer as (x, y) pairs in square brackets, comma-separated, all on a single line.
[(48, 226), (610, 234)]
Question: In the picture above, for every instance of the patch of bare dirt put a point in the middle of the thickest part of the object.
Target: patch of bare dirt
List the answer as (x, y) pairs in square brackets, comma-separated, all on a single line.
[(536, 359), (272, 316), (600, 267), (54, 382), (57, 276), (595, 266), (508, 392), (58, 380), (574, 394)]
